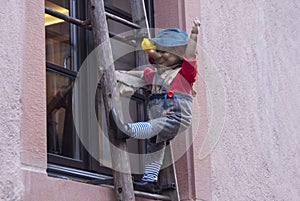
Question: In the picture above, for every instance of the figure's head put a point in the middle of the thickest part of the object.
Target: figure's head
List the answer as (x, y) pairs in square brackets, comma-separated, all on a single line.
[(168, 47)]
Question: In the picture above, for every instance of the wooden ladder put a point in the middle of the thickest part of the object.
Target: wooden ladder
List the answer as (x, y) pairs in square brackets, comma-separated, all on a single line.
[(167, 181), (122, 182)]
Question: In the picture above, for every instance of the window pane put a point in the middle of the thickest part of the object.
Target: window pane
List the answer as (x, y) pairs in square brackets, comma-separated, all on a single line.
[(68, 45), (123, 5), (57, 34), (61, 135), (127, 61)]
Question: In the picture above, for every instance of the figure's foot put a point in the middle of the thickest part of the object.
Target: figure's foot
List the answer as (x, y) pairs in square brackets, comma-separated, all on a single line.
[(116, 124), (151, 187)]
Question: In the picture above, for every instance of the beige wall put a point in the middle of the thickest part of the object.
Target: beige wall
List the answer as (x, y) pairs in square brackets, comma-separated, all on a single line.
[(255, 47)]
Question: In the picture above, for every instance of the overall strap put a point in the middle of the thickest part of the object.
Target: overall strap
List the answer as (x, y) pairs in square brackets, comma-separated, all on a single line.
[(163, 79)]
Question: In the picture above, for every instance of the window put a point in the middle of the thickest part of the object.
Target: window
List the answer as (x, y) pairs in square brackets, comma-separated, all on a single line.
[(67, 45)]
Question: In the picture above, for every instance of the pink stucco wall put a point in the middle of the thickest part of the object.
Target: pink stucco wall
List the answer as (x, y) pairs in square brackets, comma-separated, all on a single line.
[(193, 173), (23, 109), (23, 159), (255, 48), (12, 59)]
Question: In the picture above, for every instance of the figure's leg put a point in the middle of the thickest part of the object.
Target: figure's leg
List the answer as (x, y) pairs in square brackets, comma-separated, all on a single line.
[(153, 163), (151, 172), (166, 126), (139, 130)]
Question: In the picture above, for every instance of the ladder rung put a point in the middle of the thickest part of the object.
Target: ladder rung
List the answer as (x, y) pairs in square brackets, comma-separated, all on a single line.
[(122, 20), (86, 23), (67, 18)]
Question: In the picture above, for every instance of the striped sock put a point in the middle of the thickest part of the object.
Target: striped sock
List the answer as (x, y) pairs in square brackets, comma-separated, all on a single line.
[(141, 130), (151, 172)]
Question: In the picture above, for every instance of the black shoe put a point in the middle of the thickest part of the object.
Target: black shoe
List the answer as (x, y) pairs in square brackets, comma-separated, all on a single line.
[(116, 124), (150, 187)]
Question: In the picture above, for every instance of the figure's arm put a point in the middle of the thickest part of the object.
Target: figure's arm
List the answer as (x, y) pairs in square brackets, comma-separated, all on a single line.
[(136, 73), (146, 74), (192, 43), (189, 66)]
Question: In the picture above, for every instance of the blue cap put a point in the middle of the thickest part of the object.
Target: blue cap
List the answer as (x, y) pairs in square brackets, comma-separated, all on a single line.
[(171, 37)]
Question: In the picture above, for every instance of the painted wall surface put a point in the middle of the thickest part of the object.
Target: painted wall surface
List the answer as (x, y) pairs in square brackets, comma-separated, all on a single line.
[(23, 109), (23, 159), (193, 173), (10, 93), (255, 46)]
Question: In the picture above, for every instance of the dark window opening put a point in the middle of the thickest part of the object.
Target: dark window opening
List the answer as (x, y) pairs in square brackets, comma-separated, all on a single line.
[(67, 46)]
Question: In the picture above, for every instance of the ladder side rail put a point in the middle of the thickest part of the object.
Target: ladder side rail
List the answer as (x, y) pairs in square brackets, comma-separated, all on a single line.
[(123, 183)]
